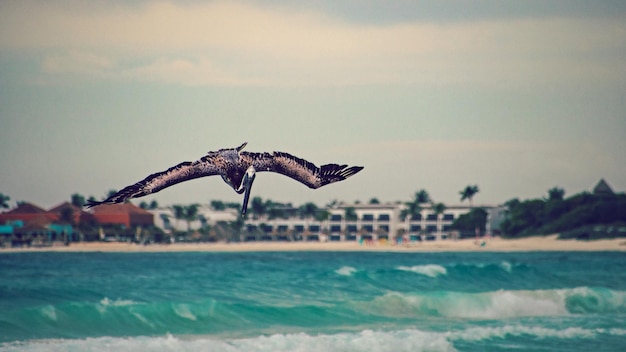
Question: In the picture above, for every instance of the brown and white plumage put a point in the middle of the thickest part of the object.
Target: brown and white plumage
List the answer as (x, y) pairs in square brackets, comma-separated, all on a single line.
[(238, 169)]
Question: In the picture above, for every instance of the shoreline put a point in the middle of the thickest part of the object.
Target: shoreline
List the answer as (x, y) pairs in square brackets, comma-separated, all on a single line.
[(530, 244)]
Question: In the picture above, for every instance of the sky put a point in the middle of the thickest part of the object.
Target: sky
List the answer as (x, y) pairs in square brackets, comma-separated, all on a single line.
[(515, 97)]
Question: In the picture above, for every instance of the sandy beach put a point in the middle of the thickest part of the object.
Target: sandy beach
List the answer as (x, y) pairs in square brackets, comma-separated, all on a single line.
[(547, 243)]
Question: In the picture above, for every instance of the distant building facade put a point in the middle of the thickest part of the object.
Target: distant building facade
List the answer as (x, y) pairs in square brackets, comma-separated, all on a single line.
[(165, 218), (370, 222), (124, 214)]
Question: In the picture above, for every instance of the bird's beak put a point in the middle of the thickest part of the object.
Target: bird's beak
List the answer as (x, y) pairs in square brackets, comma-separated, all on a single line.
[(248, 178)]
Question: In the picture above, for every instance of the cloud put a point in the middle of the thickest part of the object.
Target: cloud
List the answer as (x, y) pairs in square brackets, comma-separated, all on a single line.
[(227, 43), (77, 62)]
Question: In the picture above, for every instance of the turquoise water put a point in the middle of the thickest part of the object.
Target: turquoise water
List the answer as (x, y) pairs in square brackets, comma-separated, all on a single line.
[(313, 301)]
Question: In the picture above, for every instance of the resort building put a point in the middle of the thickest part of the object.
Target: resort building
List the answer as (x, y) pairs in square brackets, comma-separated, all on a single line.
[(165, 218), (358, 222), (124, 214), (28, 224)]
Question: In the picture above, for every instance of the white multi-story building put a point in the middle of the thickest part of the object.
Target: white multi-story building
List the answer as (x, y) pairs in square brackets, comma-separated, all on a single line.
[(359, 222)]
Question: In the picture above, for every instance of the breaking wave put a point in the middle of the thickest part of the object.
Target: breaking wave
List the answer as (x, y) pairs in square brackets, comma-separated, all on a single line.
[(432, 270), (500, 304), (365, 340)]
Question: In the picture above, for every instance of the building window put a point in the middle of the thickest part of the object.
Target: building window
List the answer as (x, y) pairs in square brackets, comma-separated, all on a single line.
[(416, 217), (448, 217), (335, 217), (383, 217), (431, 228), (367, 217), (335, 228), (368, 228), (415, 228), (384, 228), (299, 228), (282, 228), (351, 228), (431, 217), (314, 228)]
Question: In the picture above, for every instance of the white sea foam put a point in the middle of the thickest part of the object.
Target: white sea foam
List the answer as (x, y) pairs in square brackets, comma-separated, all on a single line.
[(483, 333), (106, 303), (431, 270), (117, 303), (346, 271), (367, 340)]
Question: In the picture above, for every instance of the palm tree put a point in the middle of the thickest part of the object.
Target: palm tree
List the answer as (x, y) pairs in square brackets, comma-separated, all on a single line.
[(179, 212), (307, 210), (3, 201), (438, 209), (468, 193), (350, 214), (190, 213), (258, 207), (422, 196), (414, 207)]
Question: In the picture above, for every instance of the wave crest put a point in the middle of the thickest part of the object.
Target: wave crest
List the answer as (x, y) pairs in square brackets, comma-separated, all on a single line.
[(431, 270), (499, 304)]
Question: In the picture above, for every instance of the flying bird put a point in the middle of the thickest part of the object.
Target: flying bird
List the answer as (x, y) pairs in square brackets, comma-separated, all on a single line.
[(238, 169)]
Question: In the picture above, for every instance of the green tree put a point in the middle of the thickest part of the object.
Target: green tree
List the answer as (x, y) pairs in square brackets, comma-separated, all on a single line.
[(190, 214), (143, 205), (374, 201), (556, 193), (322, 215), (257, 207), (78, 200), (154, 205), (307, 210), (4, 201), (476, 218), (422, 196), (414, 207), (275, 210), (350, 214), (179, 212), (218, 205), (438, 209), (468, 193)]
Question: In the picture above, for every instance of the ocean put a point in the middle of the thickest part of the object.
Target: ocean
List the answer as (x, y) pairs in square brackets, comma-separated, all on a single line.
[(313, 301)]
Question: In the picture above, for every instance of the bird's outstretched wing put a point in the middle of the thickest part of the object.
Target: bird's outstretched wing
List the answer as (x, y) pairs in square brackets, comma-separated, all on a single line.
[(184, 171), (299, 169)]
